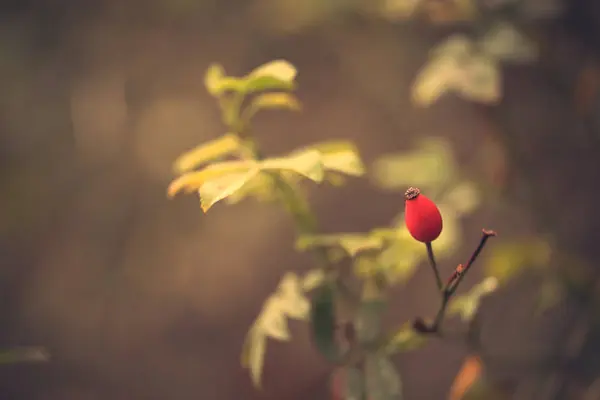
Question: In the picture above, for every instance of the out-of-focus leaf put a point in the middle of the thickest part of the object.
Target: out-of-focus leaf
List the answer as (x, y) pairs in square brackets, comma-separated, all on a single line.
[(450, 237), (382, 380), (399, 260), (405, 339), (340, 156), (253, 354), (323, 323), (207, 152), (272, 321), (398, 10), (450, 12), (434, 80), (479, 80), (505, 43), (313, 279), (220, 188), (466, 305), (308, 164), (19, 355), (468, 375), (368, 321), (216, 82), (455, 47), (275, 75), (291, 297), (464, 198), (262, 187), (274, 101), (550, 294), (351, 243), (430, 166), (347, 383), (506, 260)]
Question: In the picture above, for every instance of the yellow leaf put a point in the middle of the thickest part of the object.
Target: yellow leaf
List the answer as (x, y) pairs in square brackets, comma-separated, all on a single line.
[(433, 81), (340, 156), (307, 163), (505, 43), (194, 180), (217, 83), (280, 69), (275, 101), (469, 373), (217, 189), (253, 354), (312, 279), (272, 321), (206, 152), (508, 259), (399, 9), (479, 80)]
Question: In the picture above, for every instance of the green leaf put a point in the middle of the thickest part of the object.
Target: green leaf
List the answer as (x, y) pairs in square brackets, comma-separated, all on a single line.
[(505, 43), (340, 156), (466, 305), (23, 355), (480, 80), (456, 47), (262, 187), (347, 383), (307, 164), (430, 166), (217, 83), (274, 101), (313, 279), (272, 321), (434, 80), (368, 321), (323, 323), (405, 339), (206, 152), (464, 198), (253, 354), (192, 181), (352, 243), (275, 75), (507, 260), (382, 380), (290, 297), (217, 189)]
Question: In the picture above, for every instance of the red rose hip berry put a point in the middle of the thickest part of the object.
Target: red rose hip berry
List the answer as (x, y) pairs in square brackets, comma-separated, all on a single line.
[(422, 217)]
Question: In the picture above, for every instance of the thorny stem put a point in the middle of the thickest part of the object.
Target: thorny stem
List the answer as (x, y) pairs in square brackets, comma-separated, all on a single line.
[(452, 284)]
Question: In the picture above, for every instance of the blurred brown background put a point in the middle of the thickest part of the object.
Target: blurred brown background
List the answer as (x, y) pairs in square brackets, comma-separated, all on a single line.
[(138, 297)]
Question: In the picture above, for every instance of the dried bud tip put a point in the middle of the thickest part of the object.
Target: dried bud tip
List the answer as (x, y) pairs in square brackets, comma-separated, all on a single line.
[(411, 193), (488, 233)]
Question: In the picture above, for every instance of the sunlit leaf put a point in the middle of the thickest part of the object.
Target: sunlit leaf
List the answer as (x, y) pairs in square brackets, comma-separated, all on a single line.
[(272, 321), (434, 80), (464, 198), (275, 75), (431, 165), (290, 297), (192, 181), (467, 305), (456, 47), (215, 190), (217, 82), (479, 80), (24, 355), (206, 152), (323, 323), (468, 375), (274, 101), (382, 379), (262, 187), (347, 383), (506, 260), (352, 243), (253, 354), (451, 235), (399, 9), (405, 339), (340, 156), (308, 164), (312, 279), (504, 42)]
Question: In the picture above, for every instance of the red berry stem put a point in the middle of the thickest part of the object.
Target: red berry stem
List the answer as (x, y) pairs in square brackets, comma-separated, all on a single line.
[(436, 271)]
